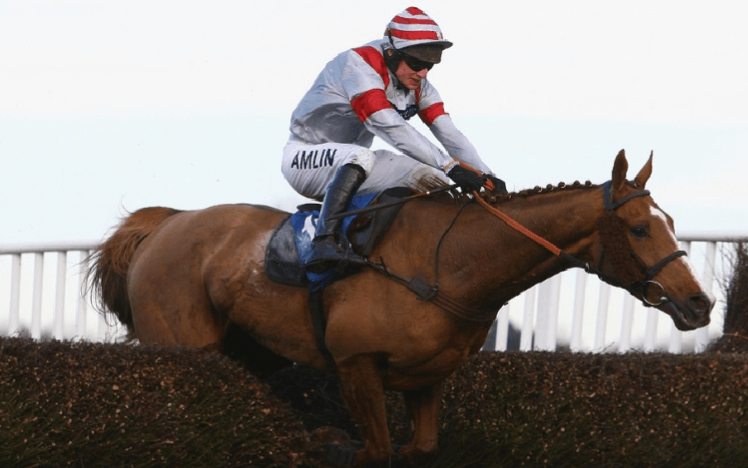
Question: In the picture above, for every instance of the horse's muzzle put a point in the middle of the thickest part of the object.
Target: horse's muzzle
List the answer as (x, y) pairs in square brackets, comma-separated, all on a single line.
[(692, 314)]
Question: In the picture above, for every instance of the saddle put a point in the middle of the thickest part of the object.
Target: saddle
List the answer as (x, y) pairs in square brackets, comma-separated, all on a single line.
[(291, 240)]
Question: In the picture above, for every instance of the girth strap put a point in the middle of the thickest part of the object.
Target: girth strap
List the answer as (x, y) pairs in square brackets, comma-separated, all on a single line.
[(320, 325)]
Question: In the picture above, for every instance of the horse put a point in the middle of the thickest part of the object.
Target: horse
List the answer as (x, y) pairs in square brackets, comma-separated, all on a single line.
[(425, 302)]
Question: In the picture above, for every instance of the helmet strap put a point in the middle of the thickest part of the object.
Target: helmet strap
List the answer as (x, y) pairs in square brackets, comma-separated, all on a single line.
[(392, 57)]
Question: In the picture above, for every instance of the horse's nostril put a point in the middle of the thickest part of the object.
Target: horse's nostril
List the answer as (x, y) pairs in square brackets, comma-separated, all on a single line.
[(701, 303)]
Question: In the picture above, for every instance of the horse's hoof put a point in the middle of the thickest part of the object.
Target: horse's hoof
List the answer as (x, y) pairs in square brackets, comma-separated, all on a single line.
[(340, 455)]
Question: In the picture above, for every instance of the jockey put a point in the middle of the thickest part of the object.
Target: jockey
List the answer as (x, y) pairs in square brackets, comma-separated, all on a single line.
[(372, 91)]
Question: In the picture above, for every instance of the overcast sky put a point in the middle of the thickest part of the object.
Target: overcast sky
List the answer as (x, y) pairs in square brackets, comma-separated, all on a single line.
[(110, 106)]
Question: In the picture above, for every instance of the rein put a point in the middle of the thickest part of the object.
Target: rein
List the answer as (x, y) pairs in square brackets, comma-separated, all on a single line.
[(644, 286)]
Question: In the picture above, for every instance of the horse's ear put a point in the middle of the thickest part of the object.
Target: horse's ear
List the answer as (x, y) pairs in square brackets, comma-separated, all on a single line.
[(643, 176), (620, 167)]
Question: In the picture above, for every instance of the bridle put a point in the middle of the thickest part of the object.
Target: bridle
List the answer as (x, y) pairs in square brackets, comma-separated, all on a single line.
[(645, 287)]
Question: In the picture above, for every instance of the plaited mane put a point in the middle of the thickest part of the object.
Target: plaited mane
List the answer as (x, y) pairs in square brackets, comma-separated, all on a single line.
[(537, 190)]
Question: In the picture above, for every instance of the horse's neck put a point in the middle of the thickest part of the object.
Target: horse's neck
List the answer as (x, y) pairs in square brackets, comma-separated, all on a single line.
[(566, 218), (511, 262)]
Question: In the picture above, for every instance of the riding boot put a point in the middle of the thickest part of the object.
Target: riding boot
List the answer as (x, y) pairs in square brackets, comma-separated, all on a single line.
[(329, 247)]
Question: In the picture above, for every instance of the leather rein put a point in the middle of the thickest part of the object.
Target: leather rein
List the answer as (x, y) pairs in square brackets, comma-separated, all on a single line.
[(644, 287)]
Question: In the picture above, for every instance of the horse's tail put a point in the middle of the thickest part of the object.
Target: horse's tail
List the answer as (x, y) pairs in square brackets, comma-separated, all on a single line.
[(108, 265)]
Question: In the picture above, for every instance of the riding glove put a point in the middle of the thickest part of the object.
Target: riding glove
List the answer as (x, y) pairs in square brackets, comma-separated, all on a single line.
[(499, 187), (468, 180)]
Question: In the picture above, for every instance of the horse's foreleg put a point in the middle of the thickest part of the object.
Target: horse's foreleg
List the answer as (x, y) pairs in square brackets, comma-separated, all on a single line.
[(423, 407), (362, 390)]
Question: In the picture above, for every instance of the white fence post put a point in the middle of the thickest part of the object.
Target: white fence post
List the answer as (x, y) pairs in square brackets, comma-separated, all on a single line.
[(525, 341), (81, 304), (502, 328), (627, 323), (36, 304), (15, 293), (555, 296), (602, 317), (578, 317), (650, 333), (546, 313), (62, 263)]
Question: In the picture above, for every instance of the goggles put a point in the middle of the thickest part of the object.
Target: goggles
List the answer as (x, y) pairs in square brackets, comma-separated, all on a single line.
[(416, 64)]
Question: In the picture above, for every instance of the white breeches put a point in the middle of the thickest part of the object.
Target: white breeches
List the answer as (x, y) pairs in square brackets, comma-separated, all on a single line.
[(310, 168)]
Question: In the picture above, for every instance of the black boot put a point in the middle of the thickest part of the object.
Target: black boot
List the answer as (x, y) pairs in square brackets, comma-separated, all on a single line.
[(329, 247)]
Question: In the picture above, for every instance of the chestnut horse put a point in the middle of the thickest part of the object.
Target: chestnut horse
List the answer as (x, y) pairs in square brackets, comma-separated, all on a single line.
[(185, 277)]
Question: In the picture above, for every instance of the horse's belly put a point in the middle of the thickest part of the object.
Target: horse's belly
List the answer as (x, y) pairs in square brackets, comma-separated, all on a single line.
[(406, 377)]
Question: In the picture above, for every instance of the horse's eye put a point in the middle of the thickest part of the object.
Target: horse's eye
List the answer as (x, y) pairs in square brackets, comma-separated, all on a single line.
[(639, 231)]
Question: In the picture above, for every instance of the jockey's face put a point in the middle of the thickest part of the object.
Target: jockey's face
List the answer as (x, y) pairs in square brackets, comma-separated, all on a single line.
[(409, 78)]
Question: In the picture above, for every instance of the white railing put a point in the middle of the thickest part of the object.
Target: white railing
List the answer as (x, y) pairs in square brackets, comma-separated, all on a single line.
[(47, 302)]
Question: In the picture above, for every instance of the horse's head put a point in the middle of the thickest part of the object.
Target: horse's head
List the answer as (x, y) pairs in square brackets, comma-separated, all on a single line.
[(638, 250)]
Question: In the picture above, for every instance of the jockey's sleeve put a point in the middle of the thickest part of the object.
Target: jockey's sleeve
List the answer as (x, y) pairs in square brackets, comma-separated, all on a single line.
[(457, 144), (388, 125)]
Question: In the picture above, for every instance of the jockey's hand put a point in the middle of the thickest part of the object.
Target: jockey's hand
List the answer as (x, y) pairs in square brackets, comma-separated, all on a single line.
[(468, 180), (499, 187)]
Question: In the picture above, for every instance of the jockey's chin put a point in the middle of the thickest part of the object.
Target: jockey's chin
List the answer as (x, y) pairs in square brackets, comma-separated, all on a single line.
[(412, 84)]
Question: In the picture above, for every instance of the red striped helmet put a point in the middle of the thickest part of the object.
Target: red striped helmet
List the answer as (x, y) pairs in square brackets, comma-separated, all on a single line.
[(413, 32)]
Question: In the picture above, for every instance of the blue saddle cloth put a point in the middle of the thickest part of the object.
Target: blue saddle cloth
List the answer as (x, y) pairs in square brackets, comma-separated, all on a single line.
[(304, 223)]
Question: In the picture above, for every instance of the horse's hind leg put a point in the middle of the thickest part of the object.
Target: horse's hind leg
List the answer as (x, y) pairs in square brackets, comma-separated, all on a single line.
[(189, 326), (363, 392), (423, 408), (180, 316)]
